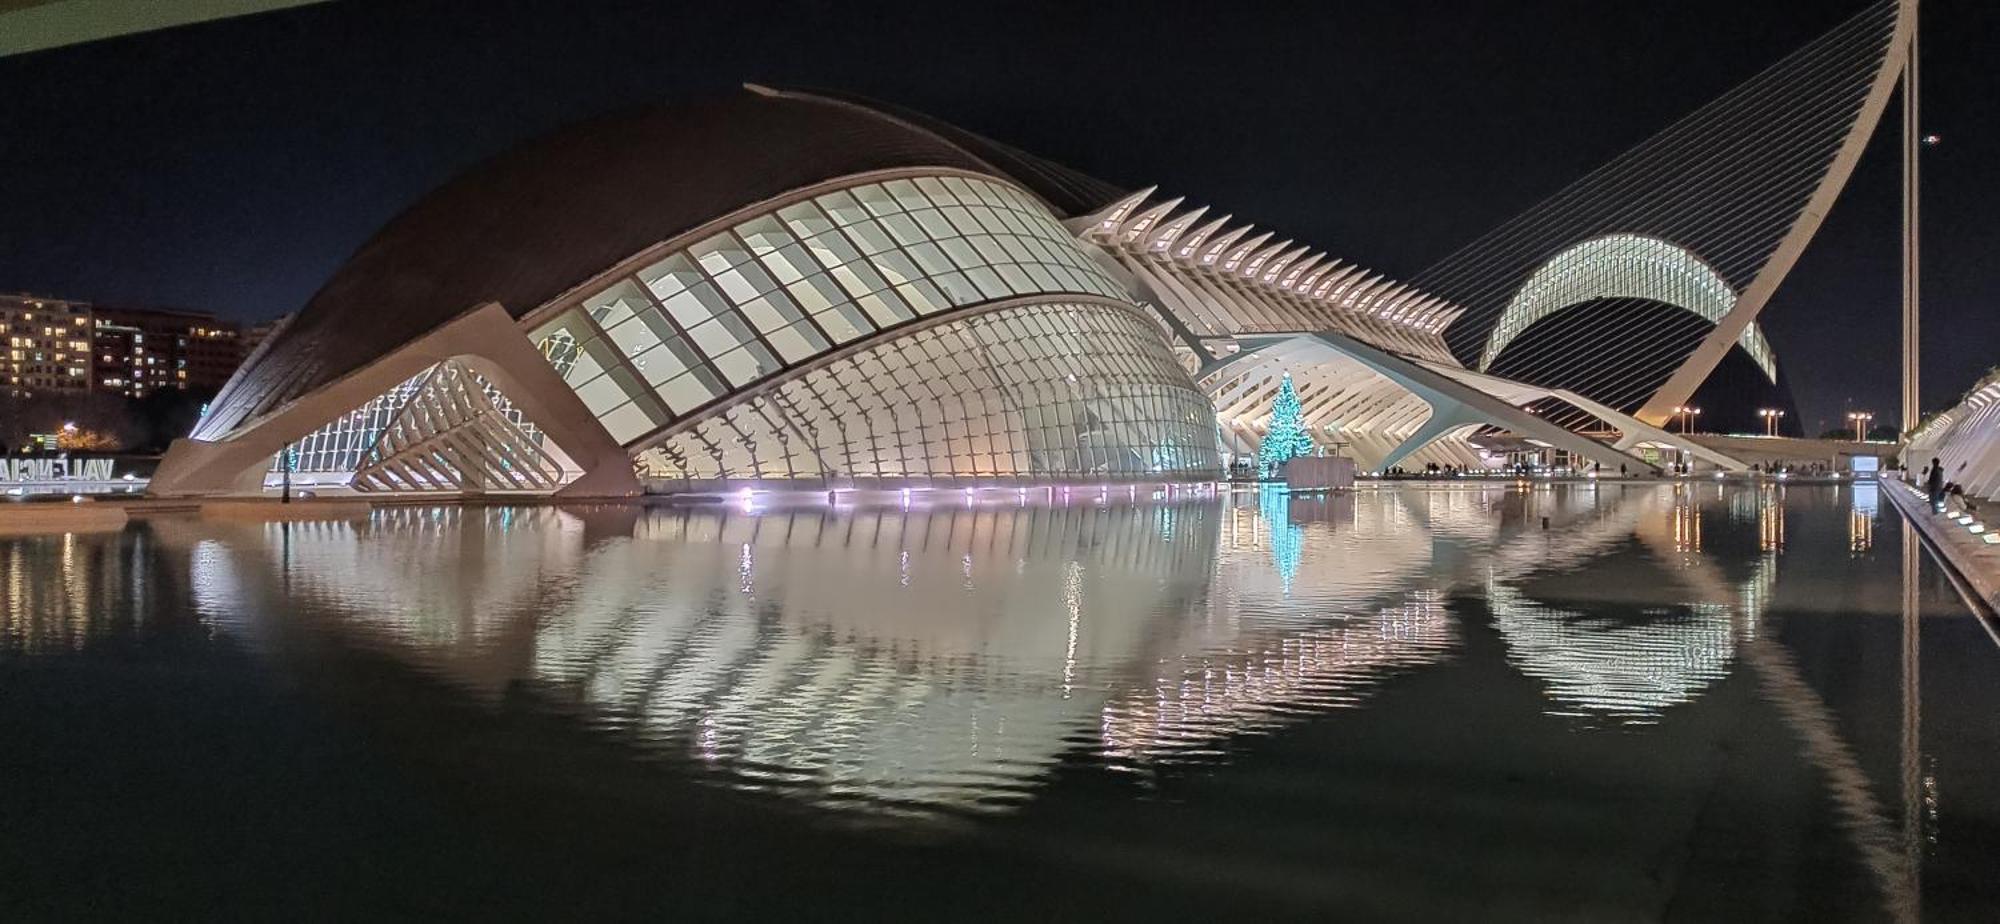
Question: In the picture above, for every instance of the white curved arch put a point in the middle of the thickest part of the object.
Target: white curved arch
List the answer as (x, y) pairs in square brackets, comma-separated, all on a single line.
[(1623, 266)]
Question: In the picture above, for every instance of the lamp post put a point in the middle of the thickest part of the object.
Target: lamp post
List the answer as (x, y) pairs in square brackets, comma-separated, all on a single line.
[(1860, 420), (1770, 416), (1687, 415)]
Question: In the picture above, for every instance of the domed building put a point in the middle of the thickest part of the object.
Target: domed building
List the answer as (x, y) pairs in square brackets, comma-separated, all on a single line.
[(772, 286)]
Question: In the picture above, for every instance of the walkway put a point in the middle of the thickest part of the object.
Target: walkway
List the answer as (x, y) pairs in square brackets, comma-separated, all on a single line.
[(1967, 543)]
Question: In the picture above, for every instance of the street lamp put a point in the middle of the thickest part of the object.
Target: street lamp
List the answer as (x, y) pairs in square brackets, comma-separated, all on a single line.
[(1860, 419), (1770, 416), (1687, 414)]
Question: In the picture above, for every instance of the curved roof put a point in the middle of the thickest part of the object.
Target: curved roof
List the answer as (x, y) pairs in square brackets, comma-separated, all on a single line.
[(1069, 191), (528, 225)]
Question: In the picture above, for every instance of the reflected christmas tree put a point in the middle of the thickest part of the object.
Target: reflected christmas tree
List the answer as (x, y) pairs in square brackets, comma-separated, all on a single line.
[(1287, 539), (1286, 438)]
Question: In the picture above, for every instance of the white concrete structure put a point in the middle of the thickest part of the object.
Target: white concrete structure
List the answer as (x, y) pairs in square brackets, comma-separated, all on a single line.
[(1965, 440)]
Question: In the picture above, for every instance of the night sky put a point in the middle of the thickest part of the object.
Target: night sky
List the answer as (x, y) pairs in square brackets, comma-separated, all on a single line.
[(232, 166)]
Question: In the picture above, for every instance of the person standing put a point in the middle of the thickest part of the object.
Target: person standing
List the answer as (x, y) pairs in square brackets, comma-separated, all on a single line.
[(1934, 482)]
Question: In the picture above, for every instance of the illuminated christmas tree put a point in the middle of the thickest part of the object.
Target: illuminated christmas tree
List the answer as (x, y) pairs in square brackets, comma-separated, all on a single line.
[(1286, 438)]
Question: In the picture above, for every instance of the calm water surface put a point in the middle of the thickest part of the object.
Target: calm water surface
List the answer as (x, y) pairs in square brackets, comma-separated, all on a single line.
[(1408, 703)]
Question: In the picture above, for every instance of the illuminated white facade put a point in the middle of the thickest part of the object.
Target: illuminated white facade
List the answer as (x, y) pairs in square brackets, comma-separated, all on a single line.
[(1966, 442)]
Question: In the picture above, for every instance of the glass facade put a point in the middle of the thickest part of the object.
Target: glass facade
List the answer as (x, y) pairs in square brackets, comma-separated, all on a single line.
[(1006, 394), (782, 288)]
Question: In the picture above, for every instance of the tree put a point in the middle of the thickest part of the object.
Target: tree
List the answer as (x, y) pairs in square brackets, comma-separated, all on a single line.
[(1286, 438)]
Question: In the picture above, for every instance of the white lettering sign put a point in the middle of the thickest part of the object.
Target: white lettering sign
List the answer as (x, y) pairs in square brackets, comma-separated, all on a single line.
[(55, 470)]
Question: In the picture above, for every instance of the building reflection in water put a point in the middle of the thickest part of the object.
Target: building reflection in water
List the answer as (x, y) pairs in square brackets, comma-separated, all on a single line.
[(926, 659), (947, 657), (968, 645)]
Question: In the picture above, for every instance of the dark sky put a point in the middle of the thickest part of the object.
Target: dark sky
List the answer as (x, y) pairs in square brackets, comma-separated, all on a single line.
[(231, 166)]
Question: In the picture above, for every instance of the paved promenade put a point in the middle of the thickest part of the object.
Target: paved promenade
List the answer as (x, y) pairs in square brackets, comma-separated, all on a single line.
[(1976, 559)]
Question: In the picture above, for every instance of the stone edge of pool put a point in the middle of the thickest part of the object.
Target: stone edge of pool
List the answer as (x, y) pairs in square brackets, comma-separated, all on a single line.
[(1974, 560)]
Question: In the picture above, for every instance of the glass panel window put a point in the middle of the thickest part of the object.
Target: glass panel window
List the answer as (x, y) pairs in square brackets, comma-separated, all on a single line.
[(805, 219), (961, 253), (790, 263), (696, 305), (670, 276), (833, 249), (844, 322), (626, 422), (687, 392), (843, 207), (720, 252), (735, 285), (877, 200), (931, 258), (959, 289), (989, 282), (764, 234), (665, 361), (719, 336), (935, 189), (798, 342), (904, 229), (637, 335), (769, 314), (965, 190), (935, 226), (1016, 278), (885, 308), (746, 365), (907, 196), (850, 278), (990, 251), (613, 306), (897, 267), (816, 293), (924, 296), (871, 237), (601, 394)]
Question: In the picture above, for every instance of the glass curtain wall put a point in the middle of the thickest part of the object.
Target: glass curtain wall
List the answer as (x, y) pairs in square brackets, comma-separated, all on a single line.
[(1045, 391), (782, 288)]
